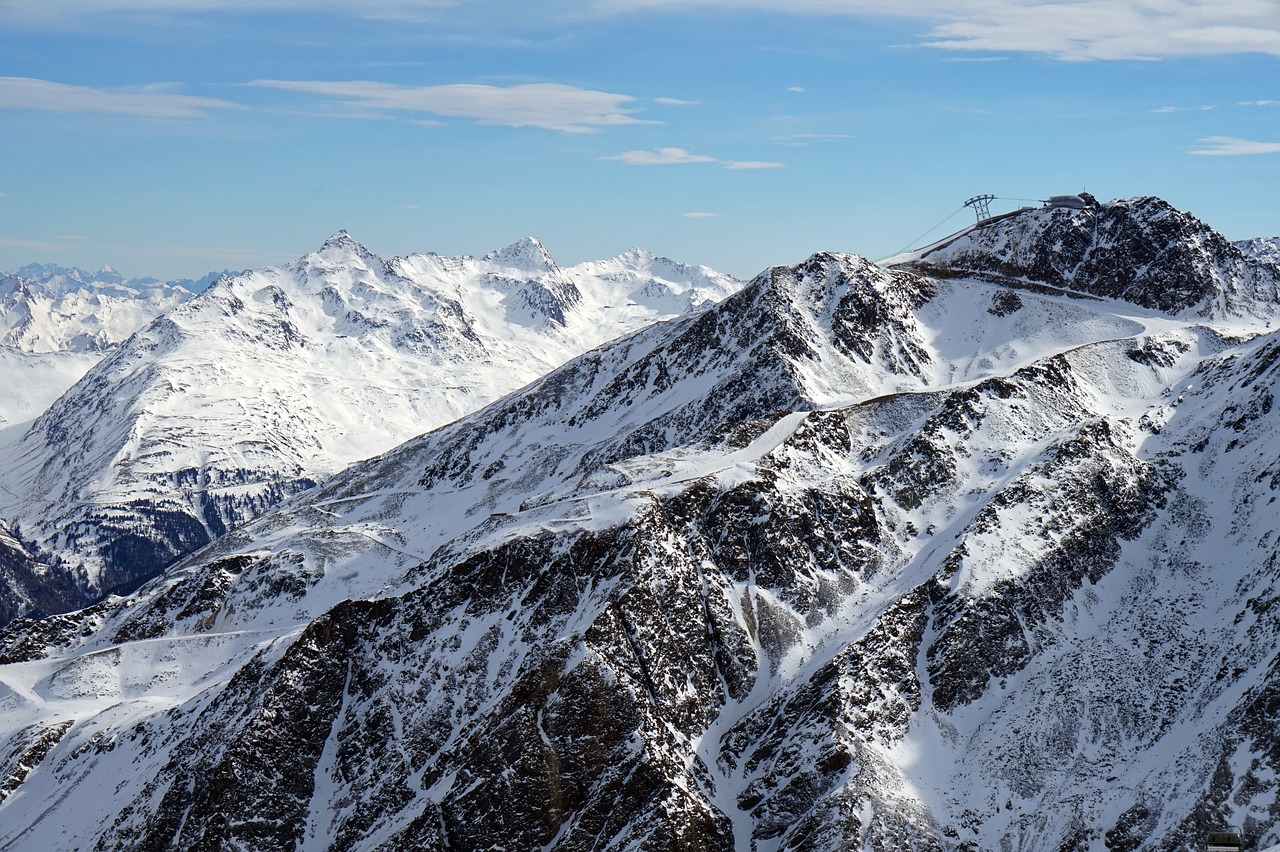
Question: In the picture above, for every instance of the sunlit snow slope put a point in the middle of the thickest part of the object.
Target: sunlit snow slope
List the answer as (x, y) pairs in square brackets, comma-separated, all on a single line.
[(857, 558), (271, 380)]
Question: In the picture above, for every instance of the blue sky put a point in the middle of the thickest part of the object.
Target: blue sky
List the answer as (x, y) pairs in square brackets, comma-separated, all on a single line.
[(172, 137)]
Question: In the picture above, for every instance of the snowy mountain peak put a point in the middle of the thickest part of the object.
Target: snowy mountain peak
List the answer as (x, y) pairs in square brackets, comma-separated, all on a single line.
[(637, 256), (1140, 250), (340, 238), (344, 242), (339, 251), (526, 253), (272, 379)]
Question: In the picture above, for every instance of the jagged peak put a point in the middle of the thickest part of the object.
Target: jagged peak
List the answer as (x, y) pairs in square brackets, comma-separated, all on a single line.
[(524, 253), (340, 247), (342, 239), (637, 255)]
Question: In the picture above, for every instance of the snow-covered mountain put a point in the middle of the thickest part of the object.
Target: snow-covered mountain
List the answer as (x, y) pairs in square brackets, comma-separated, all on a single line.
[(57, 322), (48, 308), (856, 558), (1139, 249), (1266, 249), (271, 380)]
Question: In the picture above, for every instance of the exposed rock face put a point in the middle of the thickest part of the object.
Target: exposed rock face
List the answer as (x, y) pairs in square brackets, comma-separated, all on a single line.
[(849, 560), (1140, 250)]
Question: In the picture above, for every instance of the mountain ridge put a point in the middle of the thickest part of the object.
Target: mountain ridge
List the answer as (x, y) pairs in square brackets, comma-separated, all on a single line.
[(263, 384), (855, 556)]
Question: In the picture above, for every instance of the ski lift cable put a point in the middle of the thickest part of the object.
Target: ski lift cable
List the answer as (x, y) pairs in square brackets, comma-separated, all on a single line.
[(930, 231)]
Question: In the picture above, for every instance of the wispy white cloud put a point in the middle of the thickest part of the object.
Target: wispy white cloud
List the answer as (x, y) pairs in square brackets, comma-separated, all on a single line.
[(1167, 109), (701, 215), (679, 156), (1231, 146), (674, 102), (806, 138), (799, 90), (1258, 103), (552, 106), (155, 101), (51, 244), (661, 157), (1066, 29)]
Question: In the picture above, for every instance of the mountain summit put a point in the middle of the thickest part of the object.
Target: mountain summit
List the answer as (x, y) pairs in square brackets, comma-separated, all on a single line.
[(1140, 250)]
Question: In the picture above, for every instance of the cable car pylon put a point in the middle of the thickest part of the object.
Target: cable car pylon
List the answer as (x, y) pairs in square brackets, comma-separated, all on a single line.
[(981, 205)]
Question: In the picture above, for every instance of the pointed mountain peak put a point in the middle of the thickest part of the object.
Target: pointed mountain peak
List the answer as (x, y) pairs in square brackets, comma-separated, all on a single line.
[(525, 253), (637, 253), (340, 247), (341, 239)]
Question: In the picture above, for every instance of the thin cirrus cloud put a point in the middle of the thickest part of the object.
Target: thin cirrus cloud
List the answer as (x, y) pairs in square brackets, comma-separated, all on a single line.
[(1231, 146), (553, 106), (156, 101), (1065, 29), (679, 156), (661, 157)]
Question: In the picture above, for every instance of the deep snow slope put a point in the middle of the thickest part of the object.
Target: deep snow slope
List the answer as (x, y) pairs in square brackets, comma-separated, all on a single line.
[(855, 559), (271, 380)]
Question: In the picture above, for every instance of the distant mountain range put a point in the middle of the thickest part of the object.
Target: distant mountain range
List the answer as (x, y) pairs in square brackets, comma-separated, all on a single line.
[(57, 322), (269, 381), (974, 551)]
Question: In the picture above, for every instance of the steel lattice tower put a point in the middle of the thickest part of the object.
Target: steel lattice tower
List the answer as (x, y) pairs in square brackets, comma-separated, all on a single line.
[(981, 205)]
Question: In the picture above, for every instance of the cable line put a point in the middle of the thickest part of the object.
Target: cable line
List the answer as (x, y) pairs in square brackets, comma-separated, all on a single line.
[(930, 231)]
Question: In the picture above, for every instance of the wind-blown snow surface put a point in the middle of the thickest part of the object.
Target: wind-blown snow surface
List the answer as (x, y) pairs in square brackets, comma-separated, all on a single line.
[(856, 559), (271, 380)]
